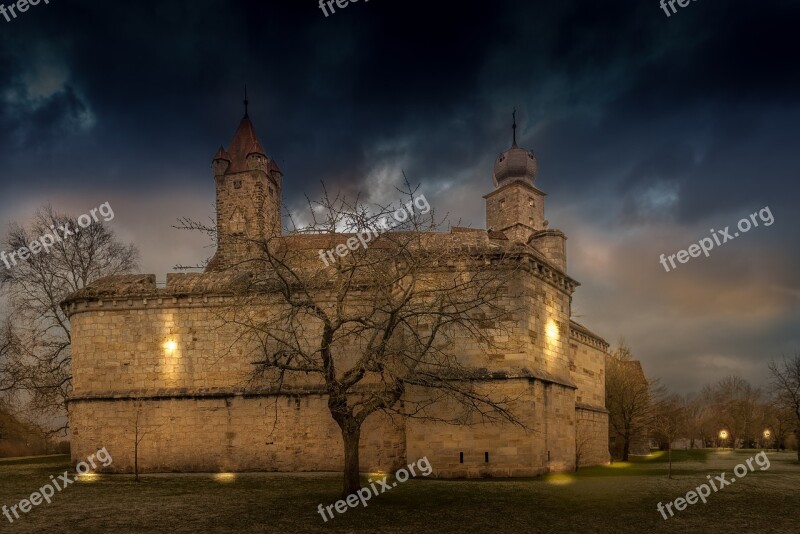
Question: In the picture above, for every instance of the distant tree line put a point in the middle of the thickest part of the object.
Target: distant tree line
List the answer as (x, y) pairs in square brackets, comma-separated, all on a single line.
[(730, 413)]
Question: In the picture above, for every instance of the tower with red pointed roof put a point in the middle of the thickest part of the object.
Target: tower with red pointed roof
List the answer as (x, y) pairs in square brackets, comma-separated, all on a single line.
[(248, 187)]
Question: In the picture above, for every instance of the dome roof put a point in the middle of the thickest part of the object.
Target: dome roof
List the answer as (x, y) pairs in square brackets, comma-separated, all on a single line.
[(515, 164)]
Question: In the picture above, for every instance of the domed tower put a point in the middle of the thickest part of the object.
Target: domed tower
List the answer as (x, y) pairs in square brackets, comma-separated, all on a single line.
[(516, 206), (248, 184)]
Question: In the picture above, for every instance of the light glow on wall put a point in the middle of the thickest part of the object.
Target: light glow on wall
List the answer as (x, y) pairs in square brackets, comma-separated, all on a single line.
[(170, 346), (551, 330)]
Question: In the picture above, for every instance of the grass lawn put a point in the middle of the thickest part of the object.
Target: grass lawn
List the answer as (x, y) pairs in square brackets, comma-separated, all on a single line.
[(618, 498)]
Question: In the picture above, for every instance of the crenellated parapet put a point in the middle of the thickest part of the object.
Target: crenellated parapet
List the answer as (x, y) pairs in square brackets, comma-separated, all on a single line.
[(580, 333), (140, 291)]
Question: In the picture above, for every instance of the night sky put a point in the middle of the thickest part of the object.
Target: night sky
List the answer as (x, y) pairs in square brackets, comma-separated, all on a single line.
[(649, 131)]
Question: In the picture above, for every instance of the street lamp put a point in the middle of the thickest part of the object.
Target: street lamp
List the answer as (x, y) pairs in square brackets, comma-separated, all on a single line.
[(723, 435)]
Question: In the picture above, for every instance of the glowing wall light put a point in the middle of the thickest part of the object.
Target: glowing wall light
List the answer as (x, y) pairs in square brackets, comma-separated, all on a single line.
[(170, 345), (551, 330)]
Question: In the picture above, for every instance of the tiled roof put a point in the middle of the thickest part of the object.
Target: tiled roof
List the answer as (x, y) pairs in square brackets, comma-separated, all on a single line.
[(222, 154), (245, 142)]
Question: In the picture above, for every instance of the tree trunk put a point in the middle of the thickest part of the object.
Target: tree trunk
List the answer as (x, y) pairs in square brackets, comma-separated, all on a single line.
[(136, 461), (351, 434), (626, 449), (669, 453)]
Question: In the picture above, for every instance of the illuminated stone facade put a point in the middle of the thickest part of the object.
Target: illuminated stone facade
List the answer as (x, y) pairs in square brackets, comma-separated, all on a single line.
[(160, 362)]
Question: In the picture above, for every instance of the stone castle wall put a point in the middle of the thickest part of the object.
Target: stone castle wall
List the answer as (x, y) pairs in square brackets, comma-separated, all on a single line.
[(501, 449), (591, 436), (227, 432), (587, 364), (166, 355)]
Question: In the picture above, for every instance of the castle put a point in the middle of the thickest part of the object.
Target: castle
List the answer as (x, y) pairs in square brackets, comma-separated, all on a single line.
[(153, 371)]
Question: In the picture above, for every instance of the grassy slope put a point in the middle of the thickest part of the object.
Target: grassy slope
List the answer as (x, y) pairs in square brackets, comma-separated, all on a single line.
[(617, 498)]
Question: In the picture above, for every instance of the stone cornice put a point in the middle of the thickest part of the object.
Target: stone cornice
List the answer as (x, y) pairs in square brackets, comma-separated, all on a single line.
[(198, 290), (588, 339), (591, 407), (479, 375), (513, 183), (155, 301), (197, 393)]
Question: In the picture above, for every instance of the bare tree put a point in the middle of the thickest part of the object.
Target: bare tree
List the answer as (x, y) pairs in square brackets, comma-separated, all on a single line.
[(35, 288), (786, 381), (140, 431), (697, 412), (586, 438), (735, 406), (779, 420), (668, 422), (629, 396), (383, 327), (9, 362)]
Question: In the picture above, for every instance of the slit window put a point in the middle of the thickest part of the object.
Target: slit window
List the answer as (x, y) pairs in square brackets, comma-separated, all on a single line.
[(486, 457), (461, 457)]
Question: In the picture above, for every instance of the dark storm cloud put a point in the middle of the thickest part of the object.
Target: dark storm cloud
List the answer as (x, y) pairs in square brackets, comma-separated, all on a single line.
[(649, 130)]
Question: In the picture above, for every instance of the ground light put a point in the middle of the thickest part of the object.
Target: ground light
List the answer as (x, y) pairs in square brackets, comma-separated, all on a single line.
[(225, 478)]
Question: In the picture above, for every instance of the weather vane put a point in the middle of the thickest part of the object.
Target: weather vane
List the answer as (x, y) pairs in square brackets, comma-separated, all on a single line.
[(514, 126)]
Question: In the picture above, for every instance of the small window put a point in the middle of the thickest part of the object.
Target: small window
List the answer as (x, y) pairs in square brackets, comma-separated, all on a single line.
[(502, 203), (461, 457), (236, 223), (530, 201), (237, 184), (486, 457)]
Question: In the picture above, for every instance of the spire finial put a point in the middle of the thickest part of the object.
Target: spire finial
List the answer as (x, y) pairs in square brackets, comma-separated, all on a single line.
[(246, 102), (514, 127)]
